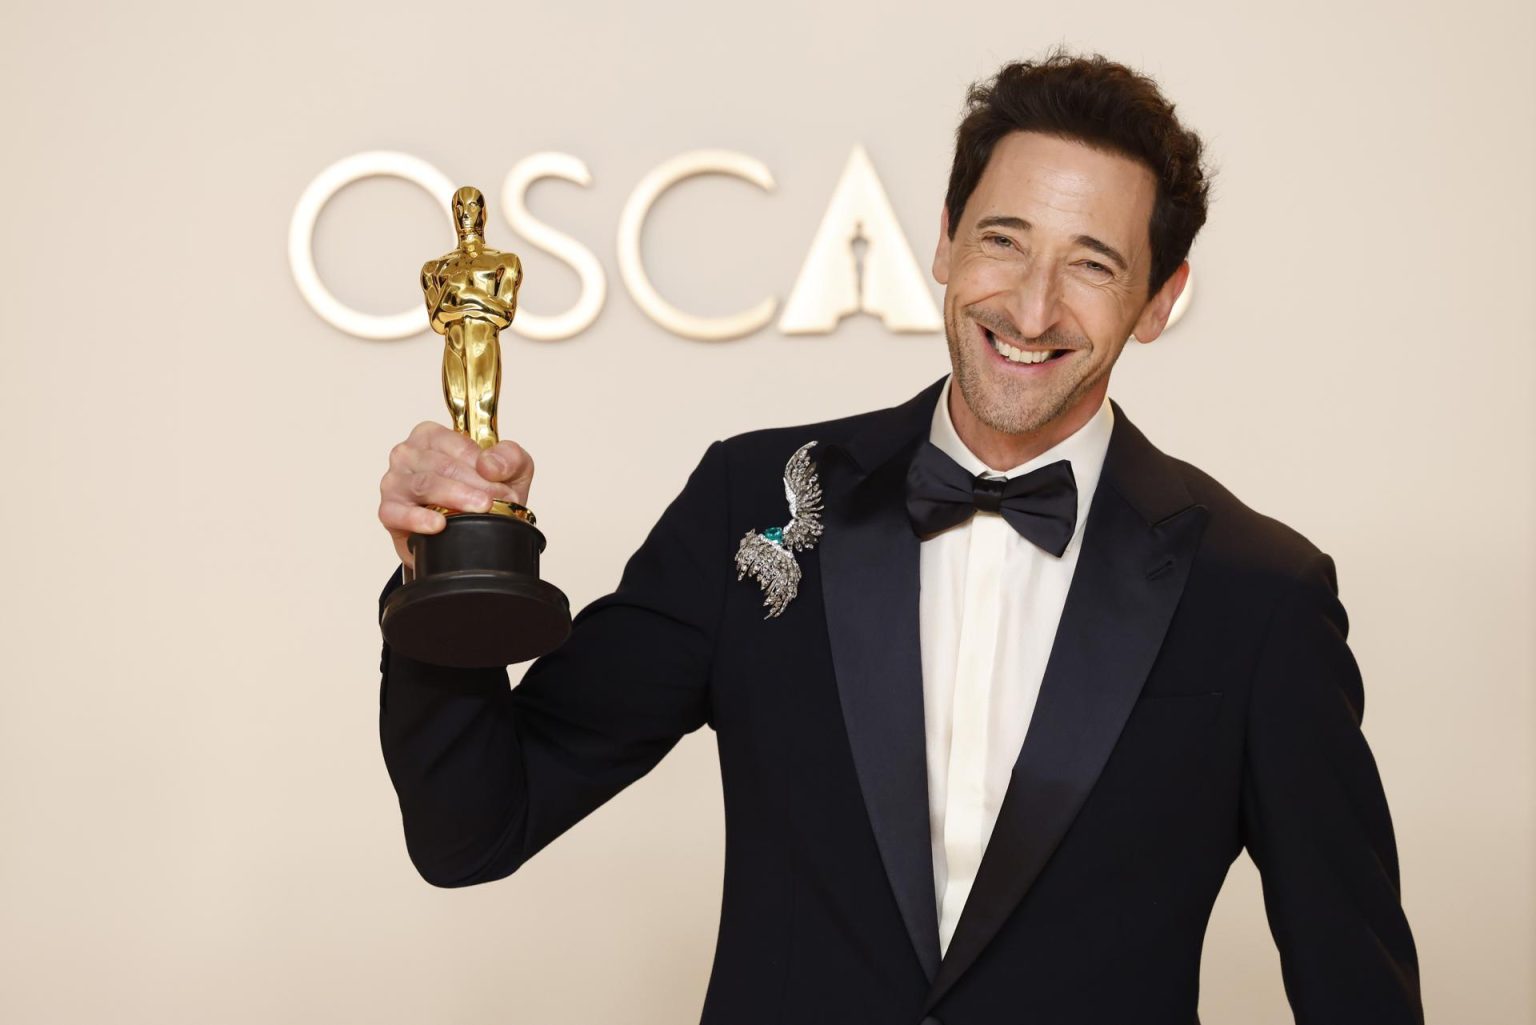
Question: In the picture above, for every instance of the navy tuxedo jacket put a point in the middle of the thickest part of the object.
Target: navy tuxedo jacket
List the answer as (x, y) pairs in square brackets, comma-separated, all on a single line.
[(1200, 698)]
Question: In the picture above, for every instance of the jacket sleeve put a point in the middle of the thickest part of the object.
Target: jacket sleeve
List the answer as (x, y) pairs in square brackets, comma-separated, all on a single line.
[(487, 776), (1316, 824)]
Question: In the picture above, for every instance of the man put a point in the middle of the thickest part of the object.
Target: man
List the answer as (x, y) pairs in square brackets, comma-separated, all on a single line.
[(1026, 685)]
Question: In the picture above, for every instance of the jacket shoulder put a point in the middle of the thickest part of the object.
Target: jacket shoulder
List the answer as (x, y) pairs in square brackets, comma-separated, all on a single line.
[(1244, 542)]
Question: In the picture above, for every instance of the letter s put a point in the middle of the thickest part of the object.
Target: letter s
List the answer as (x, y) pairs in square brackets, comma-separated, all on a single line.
[(594, 284)]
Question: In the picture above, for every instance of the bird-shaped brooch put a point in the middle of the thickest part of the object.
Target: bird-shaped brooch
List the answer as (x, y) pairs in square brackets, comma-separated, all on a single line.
[(768, 555)]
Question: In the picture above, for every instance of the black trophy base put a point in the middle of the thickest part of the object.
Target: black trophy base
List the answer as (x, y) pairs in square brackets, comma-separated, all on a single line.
[(477, 599)]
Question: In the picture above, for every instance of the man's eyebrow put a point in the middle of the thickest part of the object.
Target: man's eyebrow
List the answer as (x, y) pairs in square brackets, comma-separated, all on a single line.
[(1104, 249), (1000, 221)]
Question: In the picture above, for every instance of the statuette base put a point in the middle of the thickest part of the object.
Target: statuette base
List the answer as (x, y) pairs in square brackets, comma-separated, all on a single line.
[(477, 599)]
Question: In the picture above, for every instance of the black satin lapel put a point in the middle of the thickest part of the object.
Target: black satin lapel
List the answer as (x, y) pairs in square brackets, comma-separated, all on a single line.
[(1128, 580), (869, 570)]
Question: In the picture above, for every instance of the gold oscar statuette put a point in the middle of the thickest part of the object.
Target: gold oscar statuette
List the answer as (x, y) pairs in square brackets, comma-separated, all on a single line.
[(476, 598)]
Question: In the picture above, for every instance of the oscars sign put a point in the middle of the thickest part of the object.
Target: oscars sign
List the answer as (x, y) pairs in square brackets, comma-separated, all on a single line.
[(859, 259)]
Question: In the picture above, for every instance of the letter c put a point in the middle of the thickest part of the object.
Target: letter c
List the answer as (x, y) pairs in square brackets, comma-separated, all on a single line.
[(632, 270)]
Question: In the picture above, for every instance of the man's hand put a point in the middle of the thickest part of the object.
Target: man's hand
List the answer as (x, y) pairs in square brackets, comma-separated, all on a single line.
[(437, 466)]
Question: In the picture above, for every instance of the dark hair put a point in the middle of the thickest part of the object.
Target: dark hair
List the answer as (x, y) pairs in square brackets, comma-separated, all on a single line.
[(1102, 104)]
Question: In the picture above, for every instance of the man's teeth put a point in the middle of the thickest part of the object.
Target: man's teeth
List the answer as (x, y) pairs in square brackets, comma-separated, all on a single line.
[(1018, 355)]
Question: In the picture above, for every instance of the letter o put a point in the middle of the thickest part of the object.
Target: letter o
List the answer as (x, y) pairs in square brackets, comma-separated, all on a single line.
[(301, 238)]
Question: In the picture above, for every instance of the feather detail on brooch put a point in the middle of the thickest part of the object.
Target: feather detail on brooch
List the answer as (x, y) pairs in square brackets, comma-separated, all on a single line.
[(768, 555)]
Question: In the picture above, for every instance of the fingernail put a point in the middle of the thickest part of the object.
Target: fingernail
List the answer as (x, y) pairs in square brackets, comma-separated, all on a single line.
[(496, 464)]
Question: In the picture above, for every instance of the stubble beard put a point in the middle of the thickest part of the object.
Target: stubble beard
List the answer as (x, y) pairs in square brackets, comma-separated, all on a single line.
[(1011, 406)]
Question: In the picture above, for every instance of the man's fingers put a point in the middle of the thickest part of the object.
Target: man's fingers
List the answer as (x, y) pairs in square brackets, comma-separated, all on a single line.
[(434, 437), (452, 443), (426, 461), (506, 461), (404, 518), (428, 488), (437, 466)]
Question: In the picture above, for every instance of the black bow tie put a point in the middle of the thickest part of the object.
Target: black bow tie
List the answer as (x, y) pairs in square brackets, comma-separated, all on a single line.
[(1041, 504)]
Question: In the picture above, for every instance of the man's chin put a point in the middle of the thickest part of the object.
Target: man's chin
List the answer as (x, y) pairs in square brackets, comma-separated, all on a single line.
[(1008, 407), (1016, 420)]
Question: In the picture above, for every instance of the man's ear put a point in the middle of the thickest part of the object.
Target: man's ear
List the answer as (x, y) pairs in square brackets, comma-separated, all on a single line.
[(941, 251), (1154, 315)]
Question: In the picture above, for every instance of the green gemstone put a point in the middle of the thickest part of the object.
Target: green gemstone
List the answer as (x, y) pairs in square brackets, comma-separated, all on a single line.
[(775, 534)]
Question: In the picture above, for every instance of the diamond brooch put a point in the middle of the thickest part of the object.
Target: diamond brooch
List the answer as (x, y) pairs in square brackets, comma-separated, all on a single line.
[(768, 555)]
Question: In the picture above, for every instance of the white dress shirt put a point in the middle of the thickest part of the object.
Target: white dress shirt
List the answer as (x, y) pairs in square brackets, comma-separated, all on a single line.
[(989, 605)]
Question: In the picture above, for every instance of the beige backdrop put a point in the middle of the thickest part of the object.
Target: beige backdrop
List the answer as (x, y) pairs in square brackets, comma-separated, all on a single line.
[(197, 822)]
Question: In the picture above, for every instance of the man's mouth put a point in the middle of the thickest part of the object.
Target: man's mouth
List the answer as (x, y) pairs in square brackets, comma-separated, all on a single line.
[(1025, 356)]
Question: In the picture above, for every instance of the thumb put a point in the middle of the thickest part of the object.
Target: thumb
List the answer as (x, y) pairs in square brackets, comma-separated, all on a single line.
[(507, 462)]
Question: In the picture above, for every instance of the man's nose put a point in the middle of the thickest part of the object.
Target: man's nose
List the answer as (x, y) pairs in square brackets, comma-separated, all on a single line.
[(1034, 303)]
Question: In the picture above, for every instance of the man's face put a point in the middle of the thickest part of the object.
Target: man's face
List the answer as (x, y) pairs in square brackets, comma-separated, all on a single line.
[(1050, 259)]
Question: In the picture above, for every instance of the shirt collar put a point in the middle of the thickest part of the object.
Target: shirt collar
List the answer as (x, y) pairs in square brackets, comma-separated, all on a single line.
[(1085, 448)]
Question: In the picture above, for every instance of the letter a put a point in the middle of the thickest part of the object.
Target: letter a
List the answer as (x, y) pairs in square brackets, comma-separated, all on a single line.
[(859, 261)]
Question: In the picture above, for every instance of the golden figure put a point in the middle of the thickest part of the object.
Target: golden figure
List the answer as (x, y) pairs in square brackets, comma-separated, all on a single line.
[(475, 597), (472, 295)]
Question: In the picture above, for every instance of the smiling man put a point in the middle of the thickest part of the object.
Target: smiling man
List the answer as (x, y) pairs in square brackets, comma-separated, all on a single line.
[(1026, 685)]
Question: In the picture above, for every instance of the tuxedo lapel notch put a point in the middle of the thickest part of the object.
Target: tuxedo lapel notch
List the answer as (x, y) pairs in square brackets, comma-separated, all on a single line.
[(1139, 542)]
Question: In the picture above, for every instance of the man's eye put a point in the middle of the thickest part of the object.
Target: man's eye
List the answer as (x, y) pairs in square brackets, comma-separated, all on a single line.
[(1001, 240), (1095, 266)]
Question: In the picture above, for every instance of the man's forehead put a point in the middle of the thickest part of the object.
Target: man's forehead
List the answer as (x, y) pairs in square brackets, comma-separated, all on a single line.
[(1047, 180)]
